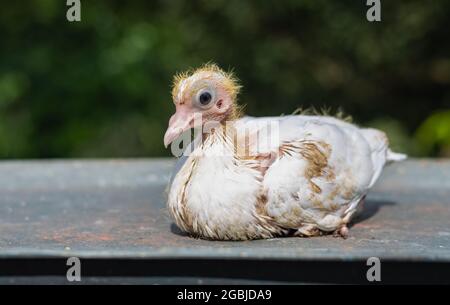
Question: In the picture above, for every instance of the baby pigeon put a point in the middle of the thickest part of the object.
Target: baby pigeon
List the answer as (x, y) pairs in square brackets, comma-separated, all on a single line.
[(251, 178)]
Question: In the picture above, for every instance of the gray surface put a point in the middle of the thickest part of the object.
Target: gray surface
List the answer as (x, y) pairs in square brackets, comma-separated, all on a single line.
[(116, 209)]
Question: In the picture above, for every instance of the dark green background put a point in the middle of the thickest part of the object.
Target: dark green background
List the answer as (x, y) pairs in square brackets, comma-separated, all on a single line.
[(101, 87)]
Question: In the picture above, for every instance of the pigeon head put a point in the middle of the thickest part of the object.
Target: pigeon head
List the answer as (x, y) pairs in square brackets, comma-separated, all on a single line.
[(207, 94)]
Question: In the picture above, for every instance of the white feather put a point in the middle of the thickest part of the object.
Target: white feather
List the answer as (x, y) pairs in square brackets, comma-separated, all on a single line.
[(220, 193)]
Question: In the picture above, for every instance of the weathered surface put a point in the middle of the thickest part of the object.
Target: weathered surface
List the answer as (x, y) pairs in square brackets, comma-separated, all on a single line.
[(116, 209)]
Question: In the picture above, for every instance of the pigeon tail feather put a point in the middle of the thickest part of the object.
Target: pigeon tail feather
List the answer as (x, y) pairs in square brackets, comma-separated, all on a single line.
[(394, 157)]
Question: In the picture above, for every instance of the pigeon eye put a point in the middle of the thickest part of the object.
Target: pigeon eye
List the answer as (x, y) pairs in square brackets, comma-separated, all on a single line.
[(204, 98)]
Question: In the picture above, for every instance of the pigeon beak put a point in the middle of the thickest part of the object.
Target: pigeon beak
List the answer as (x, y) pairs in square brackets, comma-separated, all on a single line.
[(178, 123)]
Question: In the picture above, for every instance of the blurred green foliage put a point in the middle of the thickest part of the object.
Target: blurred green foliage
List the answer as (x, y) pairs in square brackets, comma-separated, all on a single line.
[(433, 135), (101, 87)]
